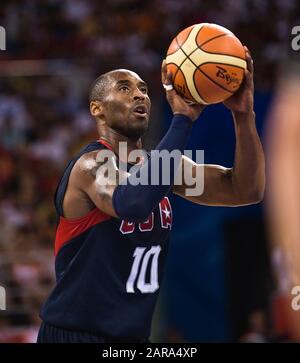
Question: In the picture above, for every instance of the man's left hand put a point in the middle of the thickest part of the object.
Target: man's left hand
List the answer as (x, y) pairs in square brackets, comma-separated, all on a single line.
[(242, 101)]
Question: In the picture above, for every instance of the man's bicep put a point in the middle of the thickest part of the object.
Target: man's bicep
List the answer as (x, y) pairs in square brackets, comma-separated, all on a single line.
[(98, 181), (101, 196), (217, 188)]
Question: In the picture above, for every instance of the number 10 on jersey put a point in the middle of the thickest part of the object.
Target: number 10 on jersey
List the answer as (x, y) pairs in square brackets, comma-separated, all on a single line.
[(139, 269)]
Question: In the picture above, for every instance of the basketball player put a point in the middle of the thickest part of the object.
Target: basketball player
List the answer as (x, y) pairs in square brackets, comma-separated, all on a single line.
[(111, 238)]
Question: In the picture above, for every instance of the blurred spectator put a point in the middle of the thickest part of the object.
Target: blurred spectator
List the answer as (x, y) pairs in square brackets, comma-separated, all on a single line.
[(257, 329)]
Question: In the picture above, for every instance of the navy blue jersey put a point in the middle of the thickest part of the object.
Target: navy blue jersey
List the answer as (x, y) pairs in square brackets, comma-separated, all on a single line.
[(108, 271)]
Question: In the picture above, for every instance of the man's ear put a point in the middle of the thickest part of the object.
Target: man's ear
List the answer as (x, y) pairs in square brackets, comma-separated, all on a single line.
[(96, 108)]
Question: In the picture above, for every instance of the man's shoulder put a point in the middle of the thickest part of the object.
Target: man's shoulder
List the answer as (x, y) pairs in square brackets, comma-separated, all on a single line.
[(87, 165)]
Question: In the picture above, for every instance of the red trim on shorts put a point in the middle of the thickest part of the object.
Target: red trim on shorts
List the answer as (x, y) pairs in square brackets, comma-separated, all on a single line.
[(69, 228)]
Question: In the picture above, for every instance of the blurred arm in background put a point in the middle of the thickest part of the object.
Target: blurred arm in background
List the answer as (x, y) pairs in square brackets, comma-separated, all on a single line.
[(284, 189)]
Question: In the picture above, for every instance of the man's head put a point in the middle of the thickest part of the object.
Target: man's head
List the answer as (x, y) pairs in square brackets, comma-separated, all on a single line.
[(119, 99)]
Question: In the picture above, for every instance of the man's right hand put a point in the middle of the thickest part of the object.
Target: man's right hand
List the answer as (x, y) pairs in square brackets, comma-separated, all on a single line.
[(177, 102)]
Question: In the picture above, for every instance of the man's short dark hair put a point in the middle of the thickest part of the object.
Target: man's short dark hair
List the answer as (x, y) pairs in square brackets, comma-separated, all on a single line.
[(99, 87), (102, 84)]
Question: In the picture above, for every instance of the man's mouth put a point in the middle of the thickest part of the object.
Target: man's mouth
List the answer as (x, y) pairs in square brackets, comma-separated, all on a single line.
[(140, 110)]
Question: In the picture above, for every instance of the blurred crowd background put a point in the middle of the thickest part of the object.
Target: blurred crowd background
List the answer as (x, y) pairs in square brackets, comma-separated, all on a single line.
[(219, 282)]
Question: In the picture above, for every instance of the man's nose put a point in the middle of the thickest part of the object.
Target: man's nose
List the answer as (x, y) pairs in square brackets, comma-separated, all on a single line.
[(138, 95)]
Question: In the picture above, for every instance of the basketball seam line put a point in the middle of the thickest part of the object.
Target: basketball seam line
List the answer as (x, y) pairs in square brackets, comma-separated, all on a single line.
[(177, 64), (185, 52), (204, 51), (189, 90), (183, 42), (188, 57), (200, 46), (233, 56), (199, 31), (199, 93), (197, 67), (209, 40), (225, 64), (203, 98), (217, 36), (179, 68), (184, 79)]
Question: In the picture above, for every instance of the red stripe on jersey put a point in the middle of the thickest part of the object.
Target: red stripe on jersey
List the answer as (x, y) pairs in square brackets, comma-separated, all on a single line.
[(109, 146), (71, 228), (105, 143)]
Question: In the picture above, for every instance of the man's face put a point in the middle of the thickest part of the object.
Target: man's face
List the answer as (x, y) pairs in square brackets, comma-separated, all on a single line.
[(126, 106)]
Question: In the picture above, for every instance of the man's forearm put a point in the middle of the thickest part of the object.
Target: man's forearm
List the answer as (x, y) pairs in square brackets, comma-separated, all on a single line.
[(135, 202), (248, 174)]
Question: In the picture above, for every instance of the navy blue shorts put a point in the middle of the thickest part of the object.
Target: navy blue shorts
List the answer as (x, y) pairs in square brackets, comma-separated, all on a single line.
[(52, 334)]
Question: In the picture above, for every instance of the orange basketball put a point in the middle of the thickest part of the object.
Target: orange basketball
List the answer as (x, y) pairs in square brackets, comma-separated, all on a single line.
[(207, 62)]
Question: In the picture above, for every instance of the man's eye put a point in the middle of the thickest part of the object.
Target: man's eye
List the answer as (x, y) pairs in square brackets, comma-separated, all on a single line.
[(144, 89), (124, 88)]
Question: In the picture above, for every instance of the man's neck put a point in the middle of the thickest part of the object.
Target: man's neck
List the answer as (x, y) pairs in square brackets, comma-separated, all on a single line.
[(113, 139)]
